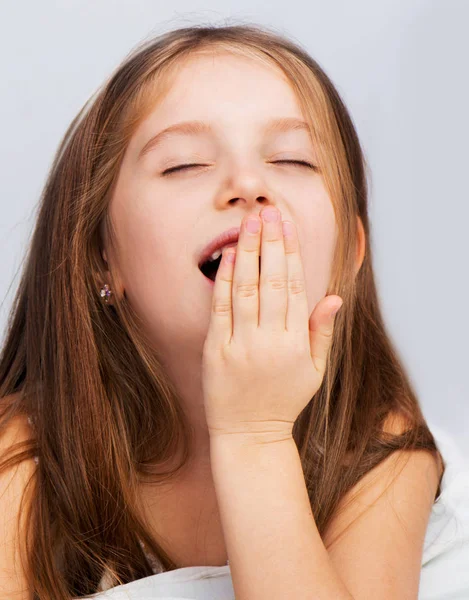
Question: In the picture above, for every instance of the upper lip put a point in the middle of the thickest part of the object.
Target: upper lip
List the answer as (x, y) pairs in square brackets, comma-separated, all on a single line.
[(227, 237)]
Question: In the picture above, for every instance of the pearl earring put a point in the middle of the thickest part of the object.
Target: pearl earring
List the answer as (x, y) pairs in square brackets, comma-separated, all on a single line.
[(106, 293)]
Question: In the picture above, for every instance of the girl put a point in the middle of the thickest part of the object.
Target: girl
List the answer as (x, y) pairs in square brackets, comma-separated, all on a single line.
[(167, 408)]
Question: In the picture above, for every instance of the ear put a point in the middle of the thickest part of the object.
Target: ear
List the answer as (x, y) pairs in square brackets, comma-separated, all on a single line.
[(361, 244)]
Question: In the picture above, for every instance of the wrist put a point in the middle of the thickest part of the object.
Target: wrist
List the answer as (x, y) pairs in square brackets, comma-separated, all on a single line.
[(253, 435)]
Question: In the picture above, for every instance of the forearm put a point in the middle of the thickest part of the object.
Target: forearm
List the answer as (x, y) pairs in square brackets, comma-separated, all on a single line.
[(273, 544)]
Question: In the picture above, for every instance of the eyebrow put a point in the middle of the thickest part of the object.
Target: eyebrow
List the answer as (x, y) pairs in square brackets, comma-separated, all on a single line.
[(281, 125)]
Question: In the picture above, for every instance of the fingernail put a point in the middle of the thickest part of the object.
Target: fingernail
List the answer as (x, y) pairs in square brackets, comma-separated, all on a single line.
[(253, 225), (287, 228), (270, 214)]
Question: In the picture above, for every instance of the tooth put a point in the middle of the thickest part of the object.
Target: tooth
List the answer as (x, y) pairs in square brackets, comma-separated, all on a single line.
[(216, 254)]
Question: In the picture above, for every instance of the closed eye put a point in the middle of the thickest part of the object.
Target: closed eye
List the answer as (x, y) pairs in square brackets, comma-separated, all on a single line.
[(190, 166), (297, 162), (180, 168)]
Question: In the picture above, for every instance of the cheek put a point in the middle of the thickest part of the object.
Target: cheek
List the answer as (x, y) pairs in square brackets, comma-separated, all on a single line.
[(157, 271), (157, 285), (317, 262), (318, 238), (150, 235), (154, 258)]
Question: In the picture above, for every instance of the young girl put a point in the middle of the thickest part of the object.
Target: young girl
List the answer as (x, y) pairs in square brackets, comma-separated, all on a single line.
[(167, 407)]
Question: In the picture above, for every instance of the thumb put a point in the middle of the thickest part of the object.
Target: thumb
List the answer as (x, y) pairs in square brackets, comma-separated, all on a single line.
[(321, 329)]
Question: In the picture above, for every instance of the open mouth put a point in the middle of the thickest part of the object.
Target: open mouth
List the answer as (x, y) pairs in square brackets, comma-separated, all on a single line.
[(210, 267)]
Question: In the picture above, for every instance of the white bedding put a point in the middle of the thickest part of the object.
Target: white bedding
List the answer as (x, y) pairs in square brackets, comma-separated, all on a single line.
[(445, 561)]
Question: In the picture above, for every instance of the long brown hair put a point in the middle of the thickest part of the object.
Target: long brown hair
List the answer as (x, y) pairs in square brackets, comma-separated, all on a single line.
[(104, 413)]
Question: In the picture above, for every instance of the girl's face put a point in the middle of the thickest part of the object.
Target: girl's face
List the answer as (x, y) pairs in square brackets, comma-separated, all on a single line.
[(163, 222)]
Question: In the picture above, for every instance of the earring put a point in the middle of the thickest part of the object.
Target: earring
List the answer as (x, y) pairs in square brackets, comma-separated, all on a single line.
[(106, 293)]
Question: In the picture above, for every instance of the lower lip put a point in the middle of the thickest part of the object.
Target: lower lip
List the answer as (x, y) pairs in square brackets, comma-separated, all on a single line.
[(209, 281)]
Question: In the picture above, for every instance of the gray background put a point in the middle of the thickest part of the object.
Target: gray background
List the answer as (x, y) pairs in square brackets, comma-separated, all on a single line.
[(402, 70)]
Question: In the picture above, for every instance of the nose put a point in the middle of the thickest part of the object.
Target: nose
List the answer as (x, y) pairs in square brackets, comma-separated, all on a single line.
[(252, 206), (253, 191)]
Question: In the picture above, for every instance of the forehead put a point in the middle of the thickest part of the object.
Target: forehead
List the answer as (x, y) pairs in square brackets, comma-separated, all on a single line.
[(223, 88), (226, 75)]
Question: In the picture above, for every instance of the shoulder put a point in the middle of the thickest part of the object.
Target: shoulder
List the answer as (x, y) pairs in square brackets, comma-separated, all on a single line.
[(397, 479), (397, 424), (13, 484), (17, 429), (376, 534), (419, 463)]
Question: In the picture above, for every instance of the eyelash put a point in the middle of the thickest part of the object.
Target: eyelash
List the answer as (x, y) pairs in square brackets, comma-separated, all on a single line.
[(181, 167)]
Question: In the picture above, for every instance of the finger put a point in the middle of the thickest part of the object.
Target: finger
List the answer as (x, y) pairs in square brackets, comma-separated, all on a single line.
[(221, 322), (321, 330), (245, 288), (273, 278), (297, 311)]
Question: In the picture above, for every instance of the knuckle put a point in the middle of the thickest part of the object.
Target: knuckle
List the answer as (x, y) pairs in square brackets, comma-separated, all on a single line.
[(221, 308), (276, 282), (246, 289), (291, 249), (328, 334), (272, 238), (296, 285), (254, 248), (224, 277), (225, 352)]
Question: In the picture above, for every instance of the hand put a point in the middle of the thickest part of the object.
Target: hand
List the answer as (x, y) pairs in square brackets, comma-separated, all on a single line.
[(263, 358)]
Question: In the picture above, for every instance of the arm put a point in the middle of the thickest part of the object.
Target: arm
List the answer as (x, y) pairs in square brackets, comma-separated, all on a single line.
[(274, 546), (13, 581), (264, 359), (273, 543)]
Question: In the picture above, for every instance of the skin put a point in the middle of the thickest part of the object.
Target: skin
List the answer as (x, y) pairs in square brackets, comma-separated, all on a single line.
[(162, 222), (264, 357)]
